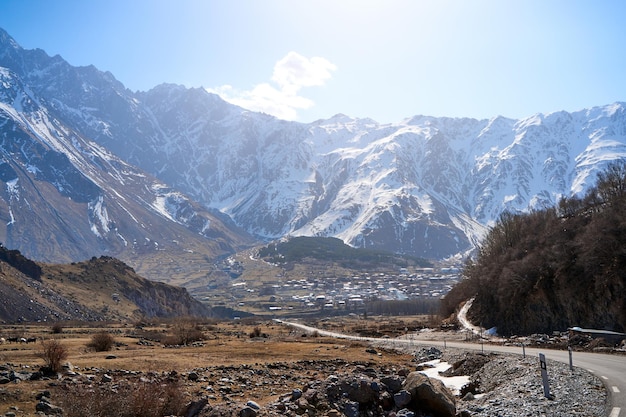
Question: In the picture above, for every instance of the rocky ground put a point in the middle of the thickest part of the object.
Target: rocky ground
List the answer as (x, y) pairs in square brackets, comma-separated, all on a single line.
[(500, 386), (503, 386)]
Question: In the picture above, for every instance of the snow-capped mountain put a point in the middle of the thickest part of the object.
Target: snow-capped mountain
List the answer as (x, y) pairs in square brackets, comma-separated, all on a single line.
[(425, 186), (66, 198)]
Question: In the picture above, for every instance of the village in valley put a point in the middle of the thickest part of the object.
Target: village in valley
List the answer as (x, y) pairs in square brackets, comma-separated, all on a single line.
[(329, 291)]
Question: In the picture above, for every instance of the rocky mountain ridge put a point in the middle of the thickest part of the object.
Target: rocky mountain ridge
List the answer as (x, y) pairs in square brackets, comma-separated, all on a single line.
[(66, 198), (101, 289), (428, 187)]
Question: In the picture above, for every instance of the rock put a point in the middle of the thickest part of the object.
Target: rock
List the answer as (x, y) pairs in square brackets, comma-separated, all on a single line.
[(107, 378), (110, 357), (193, 376), (253, 404), (280, 407), (248, 412), (429, 395), (428, 354), (333, 413), (405, 413), (375, 386), (402, 398), (20, 376), (48, 372), (302, 406), (468, 365), (351, 409), (195, 407), (468, 397), (43, 396), (48, 408), (312, 396), (360, 390), (36, 376), (392, 382), (386, 401), (295, 394)]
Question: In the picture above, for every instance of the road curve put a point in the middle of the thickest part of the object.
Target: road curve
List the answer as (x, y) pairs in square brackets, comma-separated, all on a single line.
[(611, 369)]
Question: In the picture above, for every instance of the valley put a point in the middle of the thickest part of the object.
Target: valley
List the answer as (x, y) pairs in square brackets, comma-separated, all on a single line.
[(190, 232), (265, 365), (251, 285)]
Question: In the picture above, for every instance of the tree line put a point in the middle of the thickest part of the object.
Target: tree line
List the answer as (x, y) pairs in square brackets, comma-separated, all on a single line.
[(554, 268), (332, 249)]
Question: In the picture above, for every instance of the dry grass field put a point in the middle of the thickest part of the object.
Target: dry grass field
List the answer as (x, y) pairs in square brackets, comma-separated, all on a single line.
[(244, 359)]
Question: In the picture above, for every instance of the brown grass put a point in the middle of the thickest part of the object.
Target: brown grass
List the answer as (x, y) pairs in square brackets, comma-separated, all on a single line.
[(226, 344), (141, 399)]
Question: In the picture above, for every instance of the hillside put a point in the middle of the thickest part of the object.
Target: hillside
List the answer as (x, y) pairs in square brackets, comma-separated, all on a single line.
[(65, 198), (297, 249), (554, 268), (95, 290)]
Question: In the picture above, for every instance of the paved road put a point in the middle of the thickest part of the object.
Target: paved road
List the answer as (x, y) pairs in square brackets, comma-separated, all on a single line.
[(610, 368)]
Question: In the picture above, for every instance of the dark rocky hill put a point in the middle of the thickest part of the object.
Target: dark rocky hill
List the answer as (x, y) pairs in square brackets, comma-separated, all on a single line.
[(95, 290)]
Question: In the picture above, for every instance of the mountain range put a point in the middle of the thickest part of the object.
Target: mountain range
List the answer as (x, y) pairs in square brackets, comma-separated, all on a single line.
[(172, 178)]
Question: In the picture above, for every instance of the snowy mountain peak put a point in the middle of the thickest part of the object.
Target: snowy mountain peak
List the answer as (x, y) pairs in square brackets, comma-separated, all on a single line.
[(7, 43), (427, 186)]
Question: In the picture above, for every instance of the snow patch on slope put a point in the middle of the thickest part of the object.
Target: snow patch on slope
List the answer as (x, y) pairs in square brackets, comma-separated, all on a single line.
[(98, 217)]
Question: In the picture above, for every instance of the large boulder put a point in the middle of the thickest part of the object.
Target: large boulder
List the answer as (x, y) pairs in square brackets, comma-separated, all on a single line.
[(429, 395)]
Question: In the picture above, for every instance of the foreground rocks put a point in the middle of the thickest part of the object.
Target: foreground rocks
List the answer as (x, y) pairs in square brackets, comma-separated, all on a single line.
[(370, 394), (499, 385), (355, 389)]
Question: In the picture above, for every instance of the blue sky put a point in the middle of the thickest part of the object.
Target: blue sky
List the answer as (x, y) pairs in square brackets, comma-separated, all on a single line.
[(310, 59)]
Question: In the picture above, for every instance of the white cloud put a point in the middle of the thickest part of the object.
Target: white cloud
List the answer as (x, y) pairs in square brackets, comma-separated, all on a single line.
[(283, 99)]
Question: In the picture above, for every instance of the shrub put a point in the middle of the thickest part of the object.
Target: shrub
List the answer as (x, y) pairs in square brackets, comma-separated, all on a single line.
[(53, 353), (127, 399), (101, 342), (185, 330), (256, 332), (57, 328), (155, 400)]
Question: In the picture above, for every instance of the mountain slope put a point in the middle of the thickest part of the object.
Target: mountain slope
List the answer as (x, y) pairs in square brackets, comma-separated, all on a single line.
[(66, 198), (96, 290), (428, 187)]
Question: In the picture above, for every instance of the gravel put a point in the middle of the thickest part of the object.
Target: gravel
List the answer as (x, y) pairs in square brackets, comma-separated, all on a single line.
[(514, 388), (507, 385), (511, 386)]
